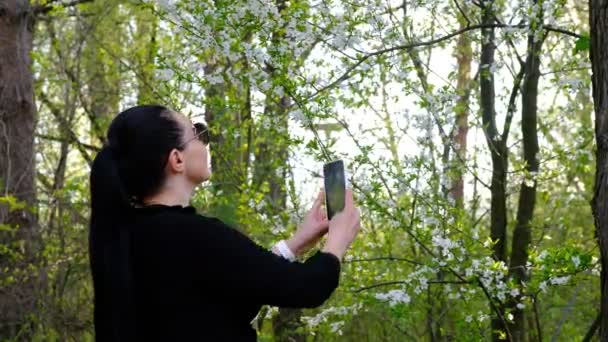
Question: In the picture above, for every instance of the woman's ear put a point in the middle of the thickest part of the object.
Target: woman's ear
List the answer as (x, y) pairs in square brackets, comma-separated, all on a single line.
[(176, 161)]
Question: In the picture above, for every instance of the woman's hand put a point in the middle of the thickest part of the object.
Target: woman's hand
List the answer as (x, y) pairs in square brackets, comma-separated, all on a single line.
[(313, 228), (345, 226)]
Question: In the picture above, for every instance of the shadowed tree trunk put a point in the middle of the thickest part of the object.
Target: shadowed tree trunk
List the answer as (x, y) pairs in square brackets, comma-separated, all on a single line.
[(17, 167), (269, 177), (527, 193), (598, 26), (495, 142), (496, 145), (228, 106), (270, 167)]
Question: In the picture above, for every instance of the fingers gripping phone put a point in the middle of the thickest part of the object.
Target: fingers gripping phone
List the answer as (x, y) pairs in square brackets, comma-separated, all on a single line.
[(335, 187)]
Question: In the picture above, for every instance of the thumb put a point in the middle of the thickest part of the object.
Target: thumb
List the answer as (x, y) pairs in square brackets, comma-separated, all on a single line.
[(348, 198), (319, 200)]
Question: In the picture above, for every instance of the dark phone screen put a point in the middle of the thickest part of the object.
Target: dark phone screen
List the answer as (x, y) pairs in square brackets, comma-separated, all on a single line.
[(335, 187)]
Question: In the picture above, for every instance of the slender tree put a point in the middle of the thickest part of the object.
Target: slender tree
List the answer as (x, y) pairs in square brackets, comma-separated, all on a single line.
[(527, 195), (598, 26)]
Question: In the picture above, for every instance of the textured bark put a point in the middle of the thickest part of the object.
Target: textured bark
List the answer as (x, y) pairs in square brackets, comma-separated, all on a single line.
[(527, 194), (598, 25), (463, 85), (17, 167)]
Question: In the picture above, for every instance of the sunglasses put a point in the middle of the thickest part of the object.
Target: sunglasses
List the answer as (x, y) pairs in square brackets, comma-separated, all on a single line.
[(201, 132)]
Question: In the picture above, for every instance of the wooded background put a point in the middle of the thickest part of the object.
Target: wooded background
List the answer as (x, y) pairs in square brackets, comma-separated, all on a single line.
[(475, 133)]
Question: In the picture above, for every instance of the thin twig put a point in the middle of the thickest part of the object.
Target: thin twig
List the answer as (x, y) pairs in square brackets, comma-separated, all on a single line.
[(388, 283), (389, 258), (59, 139)]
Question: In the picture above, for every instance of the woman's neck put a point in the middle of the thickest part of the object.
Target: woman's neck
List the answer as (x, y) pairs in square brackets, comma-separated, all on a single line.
[(171, 195)]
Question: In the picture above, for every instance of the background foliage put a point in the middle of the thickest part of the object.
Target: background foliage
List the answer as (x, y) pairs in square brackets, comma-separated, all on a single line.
[(392, 87)]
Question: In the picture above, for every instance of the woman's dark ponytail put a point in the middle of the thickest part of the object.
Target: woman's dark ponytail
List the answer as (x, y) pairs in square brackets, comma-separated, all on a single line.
[(128, 168), (110, 251), (109, 197)]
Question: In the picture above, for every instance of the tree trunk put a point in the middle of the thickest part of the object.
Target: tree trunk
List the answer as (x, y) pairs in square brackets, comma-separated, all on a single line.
[(527, 194), (271, 156), (598, 26), (495, 143), (17, 167), (102, 69), (497, 147), (271, 166), (463, 57), (145, 49), (227, 106)]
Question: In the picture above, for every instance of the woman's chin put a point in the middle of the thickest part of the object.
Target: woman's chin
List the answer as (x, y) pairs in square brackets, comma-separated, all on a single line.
[(201, 179)]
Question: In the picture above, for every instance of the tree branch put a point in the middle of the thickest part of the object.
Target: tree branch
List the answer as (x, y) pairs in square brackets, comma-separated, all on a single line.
[(347, 74), (43, 9), (388, 283), (59, 139), (389, 258), (593, 328), (65, 127), (464, 15), (511, 107), (562, 31), (496, 310)]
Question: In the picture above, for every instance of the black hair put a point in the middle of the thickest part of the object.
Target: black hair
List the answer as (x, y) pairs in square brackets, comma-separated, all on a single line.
[(140, 139), (129, 167)]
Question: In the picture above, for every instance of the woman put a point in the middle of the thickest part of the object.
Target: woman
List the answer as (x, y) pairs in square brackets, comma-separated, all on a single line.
[(162, 272)]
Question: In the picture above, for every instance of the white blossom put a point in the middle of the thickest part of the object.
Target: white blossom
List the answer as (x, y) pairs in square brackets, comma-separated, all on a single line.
[(394, 297), (560, 280), (165, 74), (166, 5), (576, 260), (337, 327)]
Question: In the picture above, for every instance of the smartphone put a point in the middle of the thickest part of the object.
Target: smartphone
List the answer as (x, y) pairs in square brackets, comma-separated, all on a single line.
[(335, 187)]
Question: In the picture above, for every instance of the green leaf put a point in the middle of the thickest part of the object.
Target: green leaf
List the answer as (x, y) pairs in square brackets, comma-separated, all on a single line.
[(13, 202), (582, 44), (312, 145)]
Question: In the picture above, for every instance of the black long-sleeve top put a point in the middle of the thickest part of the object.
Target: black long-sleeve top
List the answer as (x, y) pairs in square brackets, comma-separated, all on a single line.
[(193, 278)]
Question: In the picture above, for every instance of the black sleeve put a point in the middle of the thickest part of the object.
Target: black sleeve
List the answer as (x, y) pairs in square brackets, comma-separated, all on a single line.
[(262, 277)]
